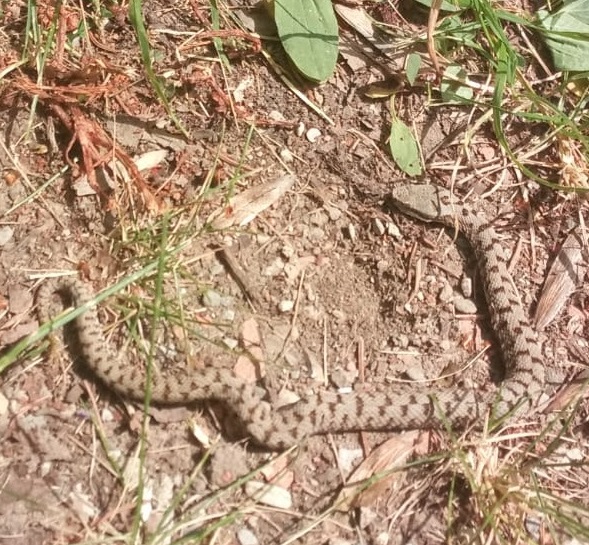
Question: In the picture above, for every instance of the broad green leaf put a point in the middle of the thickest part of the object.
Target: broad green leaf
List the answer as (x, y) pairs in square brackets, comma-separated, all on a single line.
[(452, 88), (309, 34), (566, 33), (412, 67), (404, 148)]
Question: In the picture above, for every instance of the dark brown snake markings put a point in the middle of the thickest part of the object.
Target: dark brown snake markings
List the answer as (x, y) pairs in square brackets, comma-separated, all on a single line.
[(390, 408)]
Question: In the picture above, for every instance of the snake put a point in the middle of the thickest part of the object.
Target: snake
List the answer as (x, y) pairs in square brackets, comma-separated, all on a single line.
[(382, 407)]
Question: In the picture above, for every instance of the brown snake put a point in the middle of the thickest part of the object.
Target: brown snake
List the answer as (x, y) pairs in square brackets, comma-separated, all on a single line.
[(384, 408)]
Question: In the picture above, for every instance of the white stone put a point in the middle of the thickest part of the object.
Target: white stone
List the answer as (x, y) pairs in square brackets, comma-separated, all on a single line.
[(313, 135), (6, 233), (268, 494), (286, 305)]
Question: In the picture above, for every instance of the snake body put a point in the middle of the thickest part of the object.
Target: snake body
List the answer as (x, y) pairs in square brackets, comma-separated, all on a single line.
[(383, 408)]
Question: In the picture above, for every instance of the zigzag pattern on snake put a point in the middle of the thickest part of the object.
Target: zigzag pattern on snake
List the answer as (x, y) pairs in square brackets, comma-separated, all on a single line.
[(385, 408)]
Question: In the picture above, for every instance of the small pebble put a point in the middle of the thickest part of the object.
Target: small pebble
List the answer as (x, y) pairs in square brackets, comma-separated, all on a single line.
[(575, 455), (383, 265), (292, 270), (275, 115), (227, 301), (287, 251), (378, 227), (300, 129), (333, 213), (275, 268), (533, 527), (463, 305), (246, 537), (82, 187), (10, 177), (230, 343), (107, 415), (261, 239), (446, 293), (393, 230), (6, 233), (316, 233), (293, 359), (319, 218), (366, 516), (217, 269), (200, 434), (286, 397), (402, 341), (445, 345), (227, 463), (146, 503), (285, 305), (274, 496), (312, 312), (341, 379), (228, 315), (466, 286), (347, 458), (45, 469), (286, 155), (211, 298), (351, 231), (338, 314), (382, 538), (313, 135), (415, 372), (20, 299)]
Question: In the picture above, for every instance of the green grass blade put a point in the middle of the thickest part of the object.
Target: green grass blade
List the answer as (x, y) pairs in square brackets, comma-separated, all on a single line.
[(136, 18)]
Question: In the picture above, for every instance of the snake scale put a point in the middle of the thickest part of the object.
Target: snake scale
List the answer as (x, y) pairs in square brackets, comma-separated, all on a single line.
[(385, 407)]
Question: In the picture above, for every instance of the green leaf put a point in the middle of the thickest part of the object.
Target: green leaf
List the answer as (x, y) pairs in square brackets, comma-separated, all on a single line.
[(452, 6), (404, 148), (412, 67), (453, 31), (452, 88), (566, 33), (309, 34)]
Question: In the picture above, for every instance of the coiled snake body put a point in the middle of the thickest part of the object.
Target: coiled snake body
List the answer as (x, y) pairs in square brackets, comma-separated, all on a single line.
[(385, 408)]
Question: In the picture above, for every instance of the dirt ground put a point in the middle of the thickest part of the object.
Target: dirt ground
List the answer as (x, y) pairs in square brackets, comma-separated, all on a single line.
[(340, 289)]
